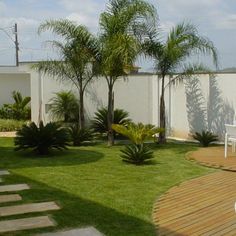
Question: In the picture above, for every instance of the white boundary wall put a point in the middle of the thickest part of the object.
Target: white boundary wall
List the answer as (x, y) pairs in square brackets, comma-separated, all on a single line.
[(12, 79), (204, 102)]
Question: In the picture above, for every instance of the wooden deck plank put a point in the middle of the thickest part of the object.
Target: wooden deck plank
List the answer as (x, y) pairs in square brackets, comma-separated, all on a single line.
[(202, 206), (214, 157)]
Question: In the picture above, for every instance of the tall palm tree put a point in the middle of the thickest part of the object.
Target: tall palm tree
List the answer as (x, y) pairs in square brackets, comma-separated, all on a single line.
[(124, 25), (78, 57), (183, 41)]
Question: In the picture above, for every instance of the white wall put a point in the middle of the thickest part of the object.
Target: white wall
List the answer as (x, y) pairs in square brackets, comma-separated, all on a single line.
[(203, 102), (11, 79), (133, 94)]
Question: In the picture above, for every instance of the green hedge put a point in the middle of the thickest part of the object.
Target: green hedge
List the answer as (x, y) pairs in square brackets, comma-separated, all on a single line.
[(10, 125)]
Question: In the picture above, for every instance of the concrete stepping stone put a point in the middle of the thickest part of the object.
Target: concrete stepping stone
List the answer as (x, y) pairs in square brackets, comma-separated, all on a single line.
[(26, 223), (10, 198), (88, 231), (28, 208), (4, 172), (13, 187)]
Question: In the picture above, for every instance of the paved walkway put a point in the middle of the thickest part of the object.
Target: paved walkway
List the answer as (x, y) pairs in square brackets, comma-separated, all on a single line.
[(7, 226), (214, 157), (202, 206), (89, 231), (22, 223), (8, 134)]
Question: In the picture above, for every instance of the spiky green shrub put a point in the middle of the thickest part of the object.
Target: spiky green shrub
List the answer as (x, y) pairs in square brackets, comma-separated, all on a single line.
[(205, 138), (41, 139), (138, 152), (99, 123), (78, 135)]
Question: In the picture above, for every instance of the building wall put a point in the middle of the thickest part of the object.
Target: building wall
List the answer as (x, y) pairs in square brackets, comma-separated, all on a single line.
[(10, 80), (204, 102), (200, 103)]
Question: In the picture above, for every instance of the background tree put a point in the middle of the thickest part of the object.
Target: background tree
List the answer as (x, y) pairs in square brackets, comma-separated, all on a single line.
[(183, 41), (124, 25), (19, 110), (78, 56)]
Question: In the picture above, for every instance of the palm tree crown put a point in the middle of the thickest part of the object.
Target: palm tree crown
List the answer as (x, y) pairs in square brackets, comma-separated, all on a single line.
[(78, 56)]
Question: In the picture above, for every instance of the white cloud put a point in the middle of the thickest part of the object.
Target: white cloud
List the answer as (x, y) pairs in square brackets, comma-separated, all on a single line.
[(223, 20), (165, 26), (86, 12), (2, 7), (84, 19)]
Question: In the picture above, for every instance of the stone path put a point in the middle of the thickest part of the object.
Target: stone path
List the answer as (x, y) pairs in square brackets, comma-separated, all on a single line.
[(28, 208), (201, 206), (10, 198), (7, 226), (25, 223), (8, 134), (89, 231), (13, 187), (4, 172)]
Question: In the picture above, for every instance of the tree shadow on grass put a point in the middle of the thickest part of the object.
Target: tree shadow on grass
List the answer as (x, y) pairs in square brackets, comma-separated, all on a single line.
[(79, 212), (24, 159)]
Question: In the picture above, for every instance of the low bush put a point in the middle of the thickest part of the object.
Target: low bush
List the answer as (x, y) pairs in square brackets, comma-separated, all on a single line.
[(19, 110), (78, 135), (138, 152), (205, 138), (99, 123), (10, 125), (41, 139)]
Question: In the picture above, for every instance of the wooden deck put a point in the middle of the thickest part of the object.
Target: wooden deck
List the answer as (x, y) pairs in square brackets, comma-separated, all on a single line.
[(214, 157), (202, 206)]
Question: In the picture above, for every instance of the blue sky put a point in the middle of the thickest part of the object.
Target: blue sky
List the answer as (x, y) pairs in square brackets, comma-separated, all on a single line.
[(215, 19)]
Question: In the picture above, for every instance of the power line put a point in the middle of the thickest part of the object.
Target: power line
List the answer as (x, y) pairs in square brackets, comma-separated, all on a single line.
[(13, 39)]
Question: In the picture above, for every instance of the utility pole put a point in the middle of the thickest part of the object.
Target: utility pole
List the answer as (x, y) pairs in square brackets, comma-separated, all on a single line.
[(16, 45)]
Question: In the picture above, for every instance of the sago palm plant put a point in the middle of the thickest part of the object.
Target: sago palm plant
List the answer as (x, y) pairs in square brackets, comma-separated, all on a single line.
[(41, 139), (99, 123), (205, 138), (138, 152)]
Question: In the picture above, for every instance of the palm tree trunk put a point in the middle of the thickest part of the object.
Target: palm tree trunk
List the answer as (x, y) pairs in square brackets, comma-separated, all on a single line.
[(162, 136), (110, 115), (81, 108)]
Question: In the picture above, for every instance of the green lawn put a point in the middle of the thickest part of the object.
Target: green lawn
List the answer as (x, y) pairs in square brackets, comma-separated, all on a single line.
[(94, 187)]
